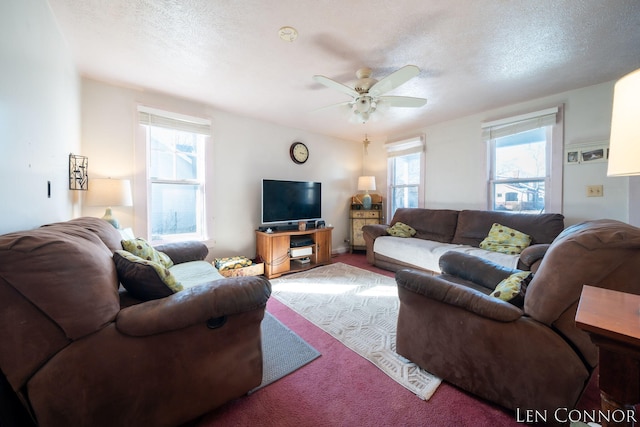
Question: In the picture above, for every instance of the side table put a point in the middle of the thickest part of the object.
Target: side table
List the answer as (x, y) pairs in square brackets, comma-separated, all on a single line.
[(612, 319)]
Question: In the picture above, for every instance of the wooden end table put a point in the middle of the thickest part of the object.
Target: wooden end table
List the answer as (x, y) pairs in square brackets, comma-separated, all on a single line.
[(612, 319)]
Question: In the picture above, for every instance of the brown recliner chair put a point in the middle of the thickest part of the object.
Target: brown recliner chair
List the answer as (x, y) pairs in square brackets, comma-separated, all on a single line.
[(74, 357), (521, 358)]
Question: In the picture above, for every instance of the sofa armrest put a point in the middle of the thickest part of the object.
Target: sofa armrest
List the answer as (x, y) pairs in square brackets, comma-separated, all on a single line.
[(370, 233), (373, 231), (199, 304), (531, 256), (180, 252), (435, 288), (474, 269)]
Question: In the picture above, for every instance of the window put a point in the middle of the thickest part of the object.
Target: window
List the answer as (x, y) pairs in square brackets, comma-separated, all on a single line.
[(525, 161), (405, 168), (175, 182)]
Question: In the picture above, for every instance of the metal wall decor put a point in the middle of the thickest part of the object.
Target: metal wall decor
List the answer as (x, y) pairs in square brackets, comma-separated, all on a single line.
[(78, 178)]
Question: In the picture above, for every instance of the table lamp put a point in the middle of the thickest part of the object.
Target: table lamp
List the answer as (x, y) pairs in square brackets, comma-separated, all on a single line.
[(624, 142), (109, 192), (366, 184)]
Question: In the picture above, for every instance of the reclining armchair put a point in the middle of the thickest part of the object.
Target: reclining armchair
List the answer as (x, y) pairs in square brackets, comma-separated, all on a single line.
[(75, 354), (531, 357)]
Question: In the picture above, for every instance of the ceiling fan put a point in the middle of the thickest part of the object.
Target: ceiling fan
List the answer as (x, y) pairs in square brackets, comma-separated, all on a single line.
[(368, 93)]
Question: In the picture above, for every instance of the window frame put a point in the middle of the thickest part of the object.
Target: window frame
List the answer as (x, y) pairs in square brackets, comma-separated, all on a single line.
[(144, 181), (493, 181), (553, 119), (401, 148)]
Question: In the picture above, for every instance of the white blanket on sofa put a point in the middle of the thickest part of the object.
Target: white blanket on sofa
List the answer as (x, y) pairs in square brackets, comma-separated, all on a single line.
[(425, 254)]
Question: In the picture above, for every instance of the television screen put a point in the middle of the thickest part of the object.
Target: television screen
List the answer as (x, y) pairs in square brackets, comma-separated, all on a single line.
[(289, 201)]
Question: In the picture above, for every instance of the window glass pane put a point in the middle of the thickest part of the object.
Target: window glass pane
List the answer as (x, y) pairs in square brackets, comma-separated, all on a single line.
[(404, 197), (525, 197), (173, 153), (522, 155), (407, 169), (174, 209)]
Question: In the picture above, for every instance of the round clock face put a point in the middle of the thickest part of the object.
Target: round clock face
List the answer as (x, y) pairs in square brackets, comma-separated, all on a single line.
[(299, 152)]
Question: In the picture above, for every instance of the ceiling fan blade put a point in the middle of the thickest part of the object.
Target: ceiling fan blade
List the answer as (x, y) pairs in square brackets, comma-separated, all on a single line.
[(327, 107), (335, 85), (394, 80), (403, 101)]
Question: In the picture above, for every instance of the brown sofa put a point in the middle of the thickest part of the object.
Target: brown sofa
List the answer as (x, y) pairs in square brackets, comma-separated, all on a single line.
[(75, 357), (440, 230), (532, 357)]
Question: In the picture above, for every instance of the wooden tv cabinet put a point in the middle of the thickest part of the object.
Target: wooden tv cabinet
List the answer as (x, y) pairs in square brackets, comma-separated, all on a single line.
[(275, 250)]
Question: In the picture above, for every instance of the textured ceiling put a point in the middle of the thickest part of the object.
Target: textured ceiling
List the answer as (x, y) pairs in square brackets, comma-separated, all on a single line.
[(474, 55)]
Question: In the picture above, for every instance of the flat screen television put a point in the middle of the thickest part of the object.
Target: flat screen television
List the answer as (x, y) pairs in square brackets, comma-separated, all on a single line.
[(290, 201)]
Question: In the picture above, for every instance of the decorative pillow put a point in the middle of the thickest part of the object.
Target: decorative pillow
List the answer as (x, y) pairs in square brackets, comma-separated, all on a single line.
[(231, 263), (144, 250), (400, 229), (144, 279), (505, 240), (513, 288)]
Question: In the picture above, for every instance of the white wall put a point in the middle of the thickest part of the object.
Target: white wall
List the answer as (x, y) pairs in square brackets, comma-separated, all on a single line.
[(456, 172), (244, 151), (39, 117), (40, 125)]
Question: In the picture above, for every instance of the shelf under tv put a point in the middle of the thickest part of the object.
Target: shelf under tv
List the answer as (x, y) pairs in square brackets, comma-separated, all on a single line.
[(274, 250)]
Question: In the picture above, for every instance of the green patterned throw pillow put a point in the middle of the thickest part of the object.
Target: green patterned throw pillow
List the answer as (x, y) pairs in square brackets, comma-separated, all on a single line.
[(140, 247), (400, 229), (505, 240), (513, 288), (144, 279)]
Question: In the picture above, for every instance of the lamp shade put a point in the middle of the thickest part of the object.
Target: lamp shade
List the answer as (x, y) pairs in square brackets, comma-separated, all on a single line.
[(624, 142), (109, 192), (366, 183)]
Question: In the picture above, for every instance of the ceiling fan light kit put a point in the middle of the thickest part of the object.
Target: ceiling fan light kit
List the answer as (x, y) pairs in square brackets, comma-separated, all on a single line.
[(368, 93)]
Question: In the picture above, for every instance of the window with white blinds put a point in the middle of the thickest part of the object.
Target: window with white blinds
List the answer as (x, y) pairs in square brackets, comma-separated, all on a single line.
[(175, 151), (405, 174), (525, 161)]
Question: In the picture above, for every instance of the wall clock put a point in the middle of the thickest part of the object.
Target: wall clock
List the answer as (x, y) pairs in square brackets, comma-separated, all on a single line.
[(299, 152)]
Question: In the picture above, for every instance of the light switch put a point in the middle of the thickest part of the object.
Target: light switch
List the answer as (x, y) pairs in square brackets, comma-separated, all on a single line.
[(594, 190)]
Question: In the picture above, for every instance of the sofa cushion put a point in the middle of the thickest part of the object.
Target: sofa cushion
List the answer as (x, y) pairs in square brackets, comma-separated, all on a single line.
[(140, 247), (473, 226), (505, 240), (513, 288), (430, 224), (425, 254), (400, 229), (144, 279), (194, 273)]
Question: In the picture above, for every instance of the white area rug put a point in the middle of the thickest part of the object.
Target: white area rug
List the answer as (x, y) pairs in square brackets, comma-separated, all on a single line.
[(360, 309)]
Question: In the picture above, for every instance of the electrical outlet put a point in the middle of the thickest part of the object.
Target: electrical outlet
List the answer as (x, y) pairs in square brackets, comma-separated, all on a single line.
[(594, 190)]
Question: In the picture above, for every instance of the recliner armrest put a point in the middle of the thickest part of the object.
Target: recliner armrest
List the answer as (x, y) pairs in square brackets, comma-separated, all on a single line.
[(435, 288), (531, 256), (194, 305), (474, 269), (180, 252)]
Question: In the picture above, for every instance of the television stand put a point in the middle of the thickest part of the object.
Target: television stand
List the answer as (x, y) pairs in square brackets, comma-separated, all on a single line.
[(275, 250)]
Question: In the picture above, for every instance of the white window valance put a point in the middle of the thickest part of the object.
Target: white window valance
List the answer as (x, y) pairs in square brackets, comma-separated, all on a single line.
[(522, 123), (153, 117), (405, 146)]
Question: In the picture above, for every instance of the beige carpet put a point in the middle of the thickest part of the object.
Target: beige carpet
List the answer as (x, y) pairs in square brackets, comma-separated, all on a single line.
[(360, 309)]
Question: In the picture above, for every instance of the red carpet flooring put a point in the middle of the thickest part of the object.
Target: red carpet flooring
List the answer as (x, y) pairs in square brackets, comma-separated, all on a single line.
[(341, 388)]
